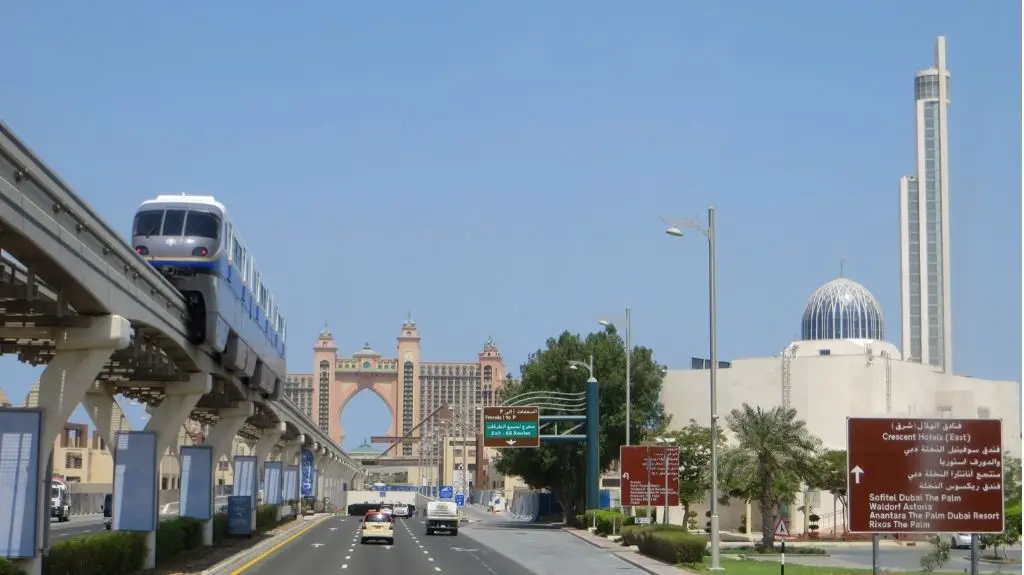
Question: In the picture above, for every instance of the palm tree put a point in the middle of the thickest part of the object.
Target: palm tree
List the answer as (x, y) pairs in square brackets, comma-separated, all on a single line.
[(773, 454)]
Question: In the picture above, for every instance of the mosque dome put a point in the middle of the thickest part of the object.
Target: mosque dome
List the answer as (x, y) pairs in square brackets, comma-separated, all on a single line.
[(842, 309)]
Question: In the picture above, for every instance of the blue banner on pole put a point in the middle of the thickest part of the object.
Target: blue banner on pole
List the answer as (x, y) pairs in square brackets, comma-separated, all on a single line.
[(246, 480), (196, 482), (19, 481), (272, 483), (306, 472), (460, 499), (134, 499), (291, 483)]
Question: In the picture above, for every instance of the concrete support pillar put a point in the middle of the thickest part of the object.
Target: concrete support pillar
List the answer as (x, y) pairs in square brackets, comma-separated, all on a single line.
[(81, 353), (262, 450), (289, 457), (219, 439), (180, 398), (99, 404)]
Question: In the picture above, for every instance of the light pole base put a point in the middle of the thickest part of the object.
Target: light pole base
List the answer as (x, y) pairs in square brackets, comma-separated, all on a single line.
[(716, 557)]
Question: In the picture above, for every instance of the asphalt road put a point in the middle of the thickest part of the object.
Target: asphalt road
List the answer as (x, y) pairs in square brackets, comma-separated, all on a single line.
[(77, 526), (333, 547), (82, 525)]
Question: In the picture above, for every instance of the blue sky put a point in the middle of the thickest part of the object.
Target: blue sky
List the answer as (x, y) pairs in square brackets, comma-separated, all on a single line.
[(499, 169)]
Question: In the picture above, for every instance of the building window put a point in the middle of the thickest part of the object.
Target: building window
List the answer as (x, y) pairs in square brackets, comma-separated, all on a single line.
[(73, 461)]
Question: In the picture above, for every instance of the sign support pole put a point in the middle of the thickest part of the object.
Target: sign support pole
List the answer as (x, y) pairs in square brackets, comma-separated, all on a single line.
[(975, 549), (876, 568), (593, 445)]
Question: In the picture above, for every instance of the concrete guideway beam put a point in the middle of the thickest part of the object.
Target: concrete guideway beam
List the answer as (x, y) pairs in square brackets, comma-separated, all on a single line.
[(166, 421), (219, 438), (81, 353)]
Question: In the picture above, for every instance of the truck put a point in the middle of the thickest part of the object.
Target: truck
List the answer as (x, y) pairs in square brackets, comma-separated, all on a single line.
[(60, 499), (442, 516)]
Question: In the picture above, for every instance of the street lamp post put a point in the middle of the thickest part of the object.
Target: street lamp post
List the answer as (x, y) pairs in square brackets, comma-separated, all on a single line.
[(593, 494), (629, 352), (675, 229)]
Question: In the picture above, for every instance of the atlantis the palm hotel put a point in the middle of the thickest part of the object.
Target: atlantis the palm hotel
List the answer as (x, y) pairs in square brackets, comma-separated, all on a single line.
[(413, 389)]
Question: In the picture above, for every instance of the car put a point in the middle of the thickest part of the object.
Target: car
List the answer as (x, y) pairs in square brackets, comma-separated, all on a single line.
[(400, 511), (961, 541), (108, 511), (377, 527)]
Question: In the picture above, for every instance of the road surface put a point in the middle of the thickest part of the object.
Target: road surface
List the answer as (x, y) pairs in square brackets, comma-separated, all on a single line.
[(77, 526), (333, 547)]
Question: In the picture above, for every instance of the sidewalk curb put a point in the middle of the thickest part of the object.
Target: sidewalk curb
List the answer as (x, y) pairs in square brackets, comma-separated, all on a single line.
[(242, 558), (572, 532)]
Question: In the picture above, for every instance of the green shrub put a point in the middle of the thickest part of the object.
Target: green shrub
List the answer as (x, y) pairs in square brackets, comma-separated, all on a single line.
[(266, 518), (606, 521), (672, 545), (176, 536), (114, 553), (8, 568), (631, 534)]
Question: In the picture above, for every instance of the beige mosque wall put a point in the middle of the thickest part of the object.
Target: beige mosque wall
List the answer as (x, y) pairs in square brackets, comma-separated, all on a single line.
[(854, 380)]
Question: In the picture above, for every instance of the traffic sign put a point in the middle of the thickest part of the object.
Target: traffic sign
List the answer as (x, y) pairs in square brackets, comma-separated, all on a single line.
[(445, 492), (460, 499), (780, 528), (913, 475), (643, 474), (382, 494), (507, 427)]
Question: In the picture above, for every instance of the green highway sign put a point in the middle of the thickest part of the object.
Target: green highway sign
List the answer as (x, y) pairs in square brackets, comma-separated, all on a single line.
[(506, 427)]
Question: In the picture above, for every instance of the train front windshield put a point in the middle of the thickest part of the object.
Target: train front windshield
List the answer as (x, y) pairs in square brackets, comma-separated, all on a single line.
[(176, 222)]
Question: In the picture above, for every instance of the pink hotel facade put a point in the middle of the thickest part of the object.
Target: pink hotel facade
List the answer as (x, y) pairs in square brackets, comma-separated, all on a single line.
[(411, 388)]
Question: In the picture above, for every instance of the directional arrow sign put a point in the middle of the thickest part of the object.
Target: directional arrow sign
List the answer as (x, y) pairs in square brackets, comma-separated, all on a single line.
[(856, 472), (512, 426), (625, 475), (927, 475)]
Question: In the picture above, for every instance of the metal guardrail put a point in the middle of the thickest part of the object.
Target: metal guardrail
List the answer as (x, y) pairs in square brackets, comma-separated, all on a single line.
[(59, 212)]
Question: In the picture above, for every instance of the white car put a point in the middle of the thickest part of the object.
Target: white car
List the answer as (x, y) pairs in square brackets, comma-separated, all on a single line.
[(400, 511), (960, 540)]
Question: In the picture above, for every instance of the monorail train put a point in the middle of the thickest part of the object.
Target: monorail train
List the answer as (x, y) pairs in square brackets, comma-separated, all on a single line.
[(194, 243)]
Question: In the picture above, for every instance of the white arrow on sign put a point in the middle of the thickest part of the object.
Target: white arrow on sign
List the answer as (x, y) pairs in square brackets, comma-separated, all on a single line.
[(625, 475), (857, 472), (510, 441), (318, 545)]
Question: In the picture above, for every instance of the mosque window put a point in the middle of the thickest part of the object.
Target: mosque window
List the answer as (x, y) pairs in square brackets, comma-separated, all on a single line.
[(366, 365)]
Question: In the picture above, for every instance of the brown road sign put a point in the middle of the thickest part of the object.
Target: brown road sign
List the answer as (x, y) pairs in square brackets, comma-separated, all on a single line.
[(507, 427), (643, 474), (910, 475)]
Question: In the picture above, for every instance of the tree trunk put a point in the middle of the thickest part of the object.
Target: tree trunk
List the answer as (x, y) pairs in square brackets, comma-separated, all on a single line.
[(767, 521), (686, 516)]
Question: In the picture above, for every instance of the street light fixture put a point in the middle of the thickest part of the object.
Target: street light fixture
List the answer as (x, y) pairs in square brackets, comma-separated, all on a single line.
[(593, 475), (675, 229)]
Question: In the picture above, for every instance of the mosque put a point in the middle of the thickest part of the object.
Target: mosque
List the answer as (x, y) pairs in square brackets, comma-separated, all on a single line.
[(841, 367)]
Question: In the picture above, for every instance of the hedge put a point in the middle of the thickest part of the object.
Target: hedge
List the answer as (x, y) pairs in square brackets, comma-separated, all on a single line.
[(669, 543), (123, 553), (8, 568)]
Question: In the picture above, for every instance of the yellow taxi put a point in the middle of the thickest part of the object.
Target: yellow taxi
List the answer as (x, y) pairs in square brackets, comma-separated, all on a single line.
[(378, 526)]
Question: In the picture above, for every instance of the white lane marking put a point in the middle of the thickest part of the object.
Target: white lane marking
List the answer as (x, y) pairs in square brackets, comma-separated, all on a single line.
[(347, 557), (345, 566), (437, 568)]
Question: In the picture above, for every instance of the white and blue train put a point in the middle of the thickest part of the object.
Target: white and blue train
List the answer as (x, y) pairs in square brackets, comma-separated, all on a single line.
[(194, 243)]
